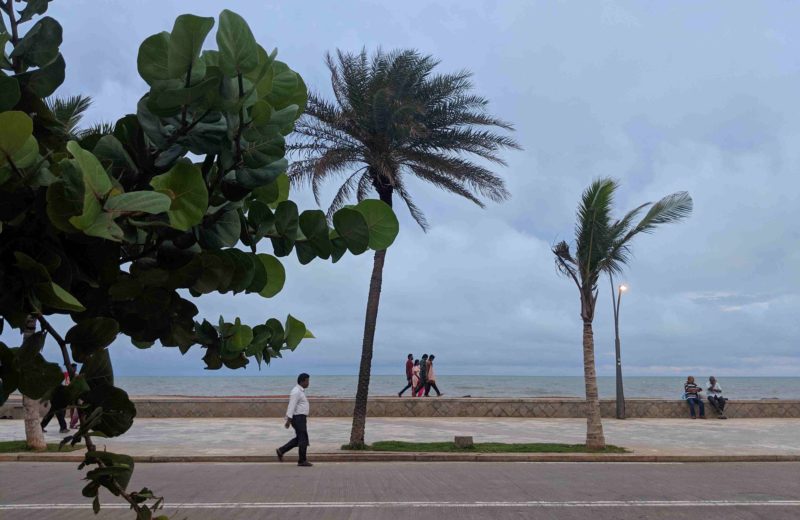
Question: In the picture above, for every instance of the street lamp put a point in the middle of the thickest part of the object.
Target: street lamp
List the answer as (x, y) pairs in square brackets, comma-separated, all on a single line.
[(615, 300)]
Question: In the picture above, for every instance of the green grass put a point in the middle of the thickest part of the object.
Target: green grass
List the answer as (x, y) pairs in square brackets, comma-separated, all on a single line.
[(21, 446), (486, 447)]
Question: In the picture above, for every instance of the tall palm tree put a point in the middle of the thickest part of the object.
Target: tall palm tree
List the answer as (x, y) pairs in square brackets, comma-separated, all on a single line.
[(391, 119), (602, 245)]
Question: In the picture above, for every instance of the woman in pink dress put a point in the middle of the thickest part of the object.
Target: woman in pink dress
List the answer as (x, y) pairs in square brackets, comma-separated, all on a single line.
[(416, 387)]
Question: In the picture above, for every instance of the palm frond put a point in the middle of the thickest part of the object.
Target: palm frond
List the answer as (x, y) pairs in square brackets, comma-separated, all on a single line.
[(592, 233), (69, 111)]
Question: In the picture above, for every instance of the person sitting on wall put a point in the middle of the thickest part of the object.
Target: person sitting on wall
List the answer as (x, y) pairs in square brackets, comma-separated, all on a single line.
[(693, 397), (715, 398)]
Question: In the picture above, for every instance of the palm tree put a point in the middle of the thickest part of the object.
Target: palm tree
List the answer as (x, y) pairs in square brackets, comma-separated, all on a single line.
[(392, 118), (603, 246), (69, 111)]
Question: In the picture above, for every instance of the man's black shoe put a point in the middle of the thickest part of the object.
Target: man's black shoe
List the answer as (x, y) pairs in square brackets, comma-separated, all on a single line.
[(305, 464), (63, 430), (279, 453)]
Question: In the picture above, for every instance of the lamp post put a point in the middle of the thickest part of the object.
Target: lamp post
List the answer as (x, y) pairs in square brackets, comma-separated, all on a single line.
[(615, 300)]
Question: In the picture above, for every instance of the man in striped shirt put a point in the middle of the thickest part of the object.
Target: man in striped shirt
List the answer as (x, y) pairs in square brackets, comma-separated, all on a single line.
[(692, 392)]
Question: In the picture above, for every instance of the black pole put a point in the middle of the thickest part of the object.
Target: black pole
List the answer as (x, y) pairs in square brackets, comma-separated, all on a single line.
[(620, 394)]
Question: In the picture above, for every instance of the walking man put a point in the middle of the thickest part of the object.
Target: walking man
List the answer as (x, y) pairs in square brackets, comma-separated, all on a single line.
[(431, 374), (409, 375), (296, 415)]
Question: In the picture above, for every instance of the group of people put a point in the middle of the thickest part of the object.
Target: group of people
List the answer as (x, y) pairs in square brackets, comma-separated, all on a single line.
[(693, 395), (420, 376)]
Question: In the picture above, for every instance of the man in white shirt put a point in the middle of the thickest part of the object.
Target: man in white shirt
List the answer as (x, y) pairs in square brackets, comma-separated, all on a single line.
[(296, 415), (715, 397)]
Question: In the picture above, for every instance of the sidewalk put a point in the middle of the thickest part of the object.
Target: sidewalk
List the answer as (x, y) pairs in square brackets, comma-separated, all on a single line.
[(259, 437)]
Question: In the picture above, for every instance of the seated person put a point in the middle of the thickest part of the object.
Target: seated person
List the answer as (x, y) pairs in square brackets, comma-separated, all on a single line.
[(715, 398), (693, 397)]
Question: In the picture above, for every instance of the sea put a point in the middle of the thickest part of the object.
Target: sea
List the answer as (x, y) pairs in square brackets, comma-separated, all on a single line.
[(456, 386)]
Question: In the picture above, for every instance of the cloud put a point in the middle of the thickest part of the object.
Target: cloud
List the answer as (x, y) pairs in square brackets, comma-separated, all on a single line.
[(697, 97)]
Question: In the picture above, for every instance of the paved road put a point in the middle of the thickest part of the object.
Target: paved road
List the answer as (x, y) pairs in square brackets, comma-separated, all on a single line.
[(643, 436), (445, 490)]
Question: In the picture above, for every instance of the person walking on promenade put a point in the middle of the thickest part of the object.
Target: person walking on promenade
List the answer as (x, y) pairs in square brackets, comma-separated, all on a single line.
[(692, 395), (431, 378), (409, 370), (423, 373), (415, 386), (715, 398), (296, 416), (74, 418), (60, 414)]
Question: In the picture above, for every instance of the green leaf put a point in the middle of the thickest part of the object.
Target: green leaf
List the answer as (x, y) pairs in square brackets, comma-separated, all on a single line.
[(238, 51), (153, 58), (185, 42), (240, 336), (276, 275), (314, 226), (275, 192), (43, 81), (221, 229), (53, 295), (282, 87), (117, 409), (295, 332), (97, 370), (40, 44), (95, 178), (28, 155), (150, 202), (90, 335), (32, 8), (9, 93), (186, 188), (381, 221), (244, 270), (352, 228), (15, 129), (259, 280), (286, 219), (36, 376), (260, 218), (9, 375)]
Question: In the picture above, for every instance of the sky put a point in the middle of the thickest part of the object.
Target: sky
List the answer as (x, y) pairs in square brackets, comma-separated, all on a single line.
[(663, 96)]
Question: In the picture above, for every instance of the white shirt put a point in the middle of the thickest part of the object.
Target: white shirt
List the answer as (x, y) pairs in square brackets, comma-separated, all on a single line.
[(714, 389), (298, 404)]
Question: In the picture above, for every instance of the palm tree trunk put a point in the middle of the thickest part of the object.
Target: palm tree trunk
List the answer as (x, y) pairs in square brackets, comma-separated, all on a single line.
[(595, 440), (362, 391), (34, 437)]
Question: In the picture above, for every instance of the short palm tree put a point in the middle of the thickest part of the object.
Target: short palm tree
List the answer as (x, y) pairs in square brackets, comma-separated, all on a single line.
[(69, 112), (393, 119), (602, 245)]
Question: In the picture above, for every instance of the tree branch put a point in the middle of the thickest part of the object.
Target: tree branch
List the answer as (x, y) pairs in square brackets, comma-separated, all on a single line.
[(15, 62)]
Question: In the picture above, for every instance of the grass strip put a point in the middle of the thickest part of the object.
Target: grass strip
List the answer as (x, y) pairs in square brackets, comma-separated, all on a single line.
[(22, 446), (485, 447)]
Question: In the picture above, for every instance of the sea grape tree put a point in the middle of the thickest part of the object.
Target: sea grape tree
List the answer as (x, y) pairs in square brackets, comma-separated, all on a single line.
[(120, 231)]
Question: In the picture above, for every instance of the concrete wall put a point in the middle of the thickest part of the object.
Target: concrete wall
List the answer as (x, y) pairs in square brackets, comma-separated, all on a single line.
[(166, 407)]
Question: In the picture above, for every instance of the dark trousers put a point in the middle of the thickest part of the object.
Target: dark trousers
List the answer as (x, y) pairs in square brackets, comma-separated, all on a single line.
[(691, 401), (300, 440), (429, 385), (401, 392), (60, 415), (718, 403)]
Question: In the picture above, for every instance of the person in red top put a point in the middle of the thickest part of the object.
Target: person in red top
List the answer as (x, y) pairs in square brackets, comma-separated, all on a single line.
[(409, 374)]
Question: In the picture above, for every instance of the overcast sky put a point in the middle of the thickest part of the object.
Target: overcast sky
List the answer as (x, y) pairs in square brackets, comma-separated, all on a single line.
[(664, 96)]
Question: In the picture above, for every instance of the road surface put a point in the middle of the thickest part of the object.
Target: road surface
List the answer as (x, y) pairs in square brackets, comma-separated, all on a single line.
[(438, 490)]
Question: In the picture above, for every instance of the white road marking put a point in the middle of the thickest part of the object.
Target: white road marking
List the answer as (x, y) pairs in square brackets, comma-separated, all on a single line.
[(373, 505)]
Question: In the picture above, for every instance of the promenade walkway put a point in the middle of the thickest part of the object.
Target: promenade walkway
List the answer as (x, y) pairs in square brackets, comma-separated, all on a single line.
[(187, 437)]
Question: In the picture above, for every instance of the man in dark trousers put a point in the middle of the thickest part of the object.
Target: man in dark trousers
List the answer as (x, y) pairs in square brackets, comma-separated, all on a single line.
[(423, 373), (409, 374), (296, 416)]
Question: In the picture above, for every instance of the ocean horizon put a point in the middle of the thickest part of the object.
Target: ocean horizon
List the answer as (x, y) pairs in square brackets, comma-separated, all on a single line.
[(658, 387)]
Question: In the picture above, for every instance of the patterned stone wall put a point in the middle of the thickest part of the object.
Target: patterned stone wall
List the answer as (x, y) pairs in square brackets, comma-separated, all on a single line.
[(165, 407)]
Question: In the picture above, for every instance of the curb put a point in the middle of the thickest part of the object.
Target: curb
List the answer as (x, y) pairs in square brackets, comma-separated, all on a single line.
[(420, 457)]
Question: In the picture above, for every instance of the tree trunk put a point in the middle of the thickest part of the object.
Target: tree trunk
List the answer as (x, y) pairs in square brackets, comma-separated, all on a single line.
[(34, 437), (595, 440), (362, 392)]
